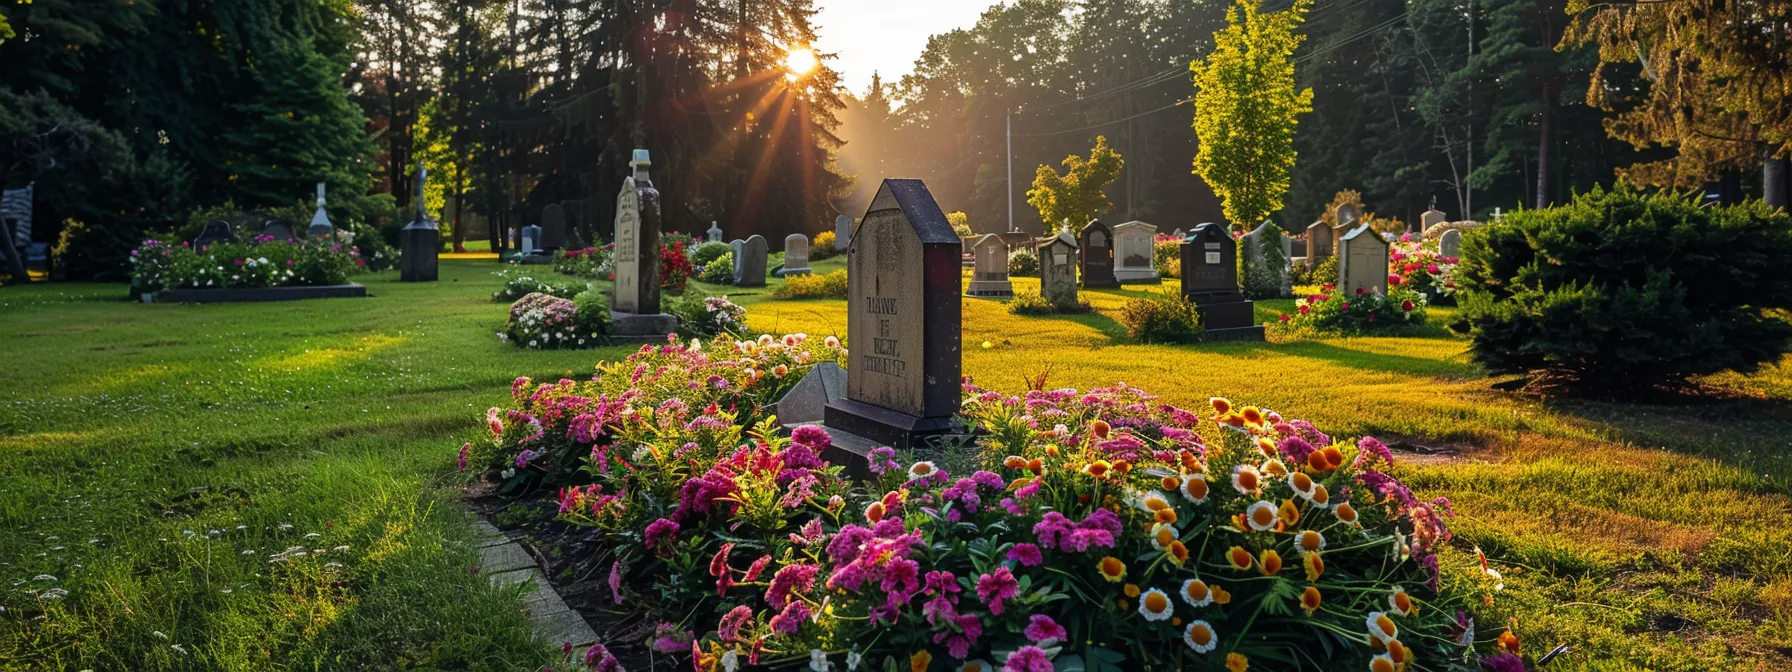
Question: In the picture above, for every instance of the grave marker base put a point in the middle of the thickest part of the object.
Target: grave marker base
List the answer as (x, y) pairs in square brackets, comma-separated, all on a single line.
[(881, 426), (1137, 277), (1234, 334), (633, 327), (990, 288), (256, 294)]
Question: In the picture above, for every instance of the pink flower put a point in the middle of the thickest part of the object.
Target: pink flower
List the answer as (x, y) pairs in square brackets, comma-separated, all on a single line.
[(812, 436), (790, 579), (616, 582), (1042, 630), (1028, 659), (996, 588), (605, 661), (1027, 555), (660, 533), (463, 455), (733, 621), (756, 568), (790, 620)]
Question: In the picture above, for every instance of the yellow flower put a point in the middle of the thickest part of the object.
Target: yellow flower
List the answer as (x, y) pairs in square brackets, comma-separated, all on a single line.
[(1266, 446), (1270, 562), (1236, 662), (1156, 606), (1288, 513), (1383, 663), (1334, 458), (987, 345), (1098, 468), (1302, 483), (1399, 653), (1320, 497), (1381, 627), (920, 661), (1220, 405), (1261, 516), (1401, 603), (1252, 416), (1315, 566), (1317, 462), (1239, 558), (1178, 553), (1220, 596), (1164, 516), (1131, 590), (1162, 535), (1309, 600), (1170, 482), (1112, 569), (1275, 468), (1015, 462), (1100, 429), (1154, 501), (1194, 488), (1345, 513), (1508, 642)]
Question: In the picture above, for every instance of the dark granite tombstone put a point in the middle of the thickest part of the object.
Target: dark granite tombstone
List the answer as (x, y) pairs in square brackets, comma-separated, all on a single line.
[(216, 231), (553, 228), (903, 324), (1096, 245), (420, 241), (278, 230), (1320, 242), (749, 264), (1210, 279)]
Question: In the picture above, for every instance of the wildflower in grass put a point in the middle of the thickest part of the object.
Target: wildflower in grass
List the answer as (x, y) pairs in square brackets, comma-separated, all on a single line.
[(1309, 541), (1044, 631), (1381, 627), (1309, 600), (1246, 479), (1270, 562), (1236, 662), (1401, 603), (462, 461), (1314, 564), (615, 582), (1028, 659), (1199, 636), (1261, 516), (1027, 555), (1239, 558), (1112, 569), (1194, 488), (1196, 593), (1155, 605)]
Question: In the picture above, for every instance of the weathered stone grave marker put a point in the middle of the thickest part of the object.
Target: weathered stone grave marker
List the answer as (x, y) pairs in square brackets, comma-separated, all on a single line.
[(215, 231), (990, 275), (749, 262), (635, 300), (842, 232), (1362, 262), (796, 256), (1450, 244)]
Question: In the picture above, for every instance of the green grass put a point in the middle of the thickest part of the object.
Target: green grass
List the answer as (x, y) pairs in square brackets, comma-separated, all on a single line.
[(1649, 537)]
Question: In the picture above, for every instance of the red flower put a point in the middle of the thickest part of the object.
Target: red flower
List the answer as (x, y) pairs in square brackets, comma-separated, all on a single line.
[(1304, 309), (1406, 306), (1285, 315)]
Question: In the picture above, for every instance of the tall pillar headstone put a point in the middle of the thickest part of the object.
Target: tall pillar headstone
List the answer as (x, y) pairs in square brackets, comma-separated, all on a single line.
[(420, 241), (904, 321), (714, 233), (1362, 262), (1096, 245), (749, 262), (989, 273), (1135, 253), (320, 221), (1058, 260), (553, 228), (1450, 244), (796, 256), (1210, 280), (842, 232), (635, 305)]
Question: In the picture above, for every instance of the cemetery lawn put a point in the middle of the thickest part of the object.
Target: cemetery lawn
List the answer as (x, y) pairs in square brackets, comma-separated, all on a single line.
[(1650, 537)]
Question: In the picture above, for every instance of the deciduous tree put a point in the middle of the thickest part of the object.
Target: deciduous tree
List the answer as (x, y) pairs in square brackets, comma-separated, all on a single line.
[(1246, 108)]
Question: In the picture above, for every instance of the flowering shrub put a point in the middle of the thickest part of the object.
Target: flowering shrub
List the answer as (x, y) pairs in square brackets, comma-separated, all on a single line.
[(827, 286), (1105, 524), (1023, 264), (1163, 317), (822, 247), (708, 317), (1413, 265), (517, 286), (1332, 312), (585, 263), (262, 263), (1166, 255), (675, 267), (719, 271), (703, 253), (1032, 303), (548, 322)]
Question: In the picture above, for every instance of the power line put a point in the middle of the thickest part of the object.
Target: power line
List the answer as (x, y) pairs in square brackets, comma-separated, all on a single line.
[(1184, 101), (1354, 38)]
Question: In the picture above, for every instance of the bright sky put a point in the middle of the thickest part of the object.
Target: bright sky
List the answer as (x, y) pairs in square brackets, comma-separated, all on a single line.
[(886, 36)]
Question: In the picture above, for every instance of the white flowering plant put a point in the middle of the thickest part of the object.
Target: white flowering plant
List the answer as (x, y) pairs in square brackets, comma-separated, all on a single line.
[(546, 322), (264, 262)]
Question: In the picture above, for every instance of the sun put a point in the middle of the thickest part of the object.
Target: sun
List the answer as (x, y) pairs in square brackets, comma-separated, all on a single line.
[(801, 61)]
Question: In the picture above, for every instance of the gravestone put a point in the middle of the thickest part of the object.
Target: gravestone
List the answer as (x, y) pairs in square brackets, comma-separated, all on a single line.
[(1320, 243), (1096, 245), (278, 230), (903, 321), (739, 248), (989, 276), (749, 262), (420, 242), (320, 221), (1346, 215), (796, 256), (1450, 244), (635, 304), (215, 231), (714, 233), (531, 240), (842, 232), (1362, 262), (553, 228), (1210, 280), (807, 402), (1058, 260), (1135, 253), (1432, 217)]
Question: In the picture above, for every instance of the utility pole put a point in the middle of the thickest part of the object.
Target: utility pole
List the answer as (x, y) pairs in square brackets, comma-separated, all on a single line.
[(1010, 115), (1468, 201)]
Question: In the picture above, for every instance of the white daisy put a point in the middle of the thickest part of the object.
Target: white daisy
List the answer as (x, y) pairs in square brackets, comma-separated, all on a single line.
[(1309, 541), (1155, 605), (1261, 516), (1196, 593), (1246, 479), (1199, 636), (1381, 627)]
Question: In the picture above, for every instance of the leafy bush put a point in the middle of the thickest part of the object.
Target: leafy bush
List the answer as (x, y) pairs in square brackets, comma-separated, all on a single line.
[(517, 286), (264, 263), (1332, 312), (707, 317), (547, 322), (1623, 293), (675, 267), (1422, 269), (1323, 273), (961, 224), (1163, 317), (1031, 303), (586, 263), (1166, 256), (1104, 524), (719, 271), (705, 252), (828, 286), (1023, 264), (1261, 281), (823, 246)]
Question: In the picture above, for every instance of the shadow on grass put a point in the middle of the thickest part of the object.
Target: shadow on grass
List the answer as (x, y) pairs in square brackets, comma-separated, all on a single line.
[(1746, 433)]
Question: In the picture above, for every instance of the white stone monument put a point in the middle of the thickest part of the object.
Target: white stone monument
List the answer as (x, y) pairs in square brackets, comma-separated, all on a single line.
[(1135, 253), (1362, 262)]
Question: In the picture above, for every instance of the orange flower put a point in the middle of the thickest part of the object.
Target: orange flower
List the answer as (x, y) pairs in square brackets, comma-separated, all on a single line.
[(1122, 467), (1334, 458), (1220, 405), (1037, 466), (1261, 515), (1236, 662), (1382, 628), (1309, 541), (1301, 482), (1314, 565), (1321, 497), (1233, 419), (1266, 446), (1015, 462), (1164, 535), (1309, 600), (1178, 552), (1508, 642), (1169, 482), (1131, 590), (1194, 488), (1020, 483), (1317, 462), (1252, 416), (1402, 603), (1246, 479), (920, 661), (1112, 569), (874, 512), (1239, 558), (1190, 463), (1100, 429), (1275, 468), (1345, 513), (1288, 514), (1271, 562), (1165, 516), (1220, 596), (1196, 593), (1098, 468), (1051, 451), (1399, 653), (1383, 663)]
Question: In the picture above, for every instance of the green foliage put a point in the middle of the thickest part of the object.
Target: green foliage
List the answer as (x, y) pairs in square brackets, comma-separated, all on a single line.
[(1031, 303), (1023, 263), (158, 265), (518, 285), (1331, 312), (961, 223), (1166, 256), (1624, 293), (1323, 273), (822, 246), (1162, 317), (1262, 280), (706, 317), (705, 252), (547, 322), (588, 263), (719, 271), (1076, 196), (1246, 108), (829, 286)]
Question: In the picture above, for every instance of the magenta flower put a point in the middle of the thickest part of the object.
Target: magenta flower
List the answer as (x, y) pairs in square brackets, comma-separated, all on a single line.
[(1027, 555), (1028, 659), (790, 579), (1042, 630), (733, 621), (660, 533), (1504, 662), (463, 455), (606, 662), (996, 588), (790, 620), (812, 436), (758, 566), (616, 582)]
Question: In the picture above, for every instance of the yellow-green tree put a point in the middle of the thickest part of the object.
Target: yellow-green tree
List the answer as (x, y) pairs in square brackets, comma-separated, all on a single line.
[(1246, 108), (1076, 195)]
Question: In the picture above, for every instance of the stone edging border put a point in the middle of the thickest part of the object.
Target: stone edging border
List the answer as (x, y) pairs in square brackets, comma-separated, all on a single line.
[(506, 564)]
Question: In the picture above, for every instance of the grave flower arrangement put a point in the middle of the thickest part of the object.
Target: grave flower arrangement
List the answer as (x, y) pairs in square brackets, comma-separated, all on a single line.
[(1166, 255), (1102, 525), (1331, 311), (541, 321), (264, 262), (675, 267), (1413, 265), (585, 263)]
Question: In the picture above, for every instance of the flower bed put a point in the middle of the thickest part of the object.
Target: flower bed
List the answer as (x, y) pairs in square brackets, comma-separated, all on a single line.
[(1414, 266), (547, 322), (156, 265), (1104, 525), (591, 263), (1332, 312)]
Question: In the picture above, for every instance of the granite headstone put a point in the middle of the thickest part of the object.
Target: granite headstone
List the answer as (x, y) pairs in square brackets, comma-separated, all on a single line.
[(796, 256), (215, 231), (842, 232), (1096, 247), (749, 264), (1450, 244), (989, 275), (1210, 280), (1058, 260), (553, 228), (1362, 262)]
